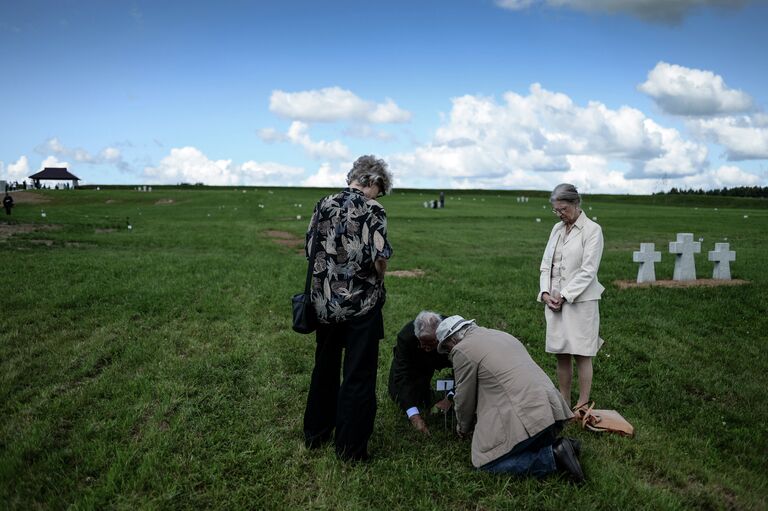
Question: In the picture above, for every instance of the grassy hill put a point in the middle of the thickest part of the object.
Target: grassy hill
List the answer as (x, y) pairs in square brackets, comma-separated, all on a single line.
[(154, 367)]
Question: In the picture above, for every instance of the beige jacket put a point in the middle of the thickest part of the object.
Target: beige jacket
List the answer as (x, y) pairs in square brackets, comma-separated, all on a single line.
[(582, 252), (502, 393)]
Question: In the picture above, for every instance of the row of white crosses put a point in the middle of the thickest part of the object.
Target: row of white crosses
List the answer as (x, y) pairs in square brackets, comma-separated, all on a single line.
[(685, 268)]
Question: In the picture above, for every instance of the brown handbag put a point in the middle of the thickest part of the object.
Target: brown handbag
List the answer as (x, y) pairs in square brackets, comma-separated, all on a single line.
[(603, 421)]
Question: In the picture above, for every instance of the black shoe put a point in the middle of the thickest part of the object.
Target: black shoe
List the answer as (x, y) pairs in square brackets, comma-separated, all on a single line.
[(316, 442), (567, 461), (362, 458), (576, 446)]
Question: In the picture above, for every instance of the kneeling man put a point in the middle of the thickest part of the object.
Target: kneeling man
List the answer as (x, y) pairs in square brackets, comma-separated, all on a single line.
[(512, 405), (414, 362)]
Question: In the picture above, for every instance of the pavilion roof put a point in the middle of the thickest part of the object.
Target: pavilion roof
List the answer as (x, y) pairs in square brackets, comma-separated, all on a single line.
[(54, 173)]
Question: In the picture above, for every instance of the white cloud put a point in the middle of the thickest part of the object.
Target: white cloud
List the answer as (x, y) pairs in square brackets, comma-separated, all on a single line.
[(515, 5), (269, 173), (334, 150), (298, 134), (190, 165), (334, 104), (744, 137), (684, 91), (53, 161), (110, 154), (271, 135), (388, 112), (661, 11), (532, 141), (18, 171), (725, 176), (327, 177), (107, 156), (366, 131)]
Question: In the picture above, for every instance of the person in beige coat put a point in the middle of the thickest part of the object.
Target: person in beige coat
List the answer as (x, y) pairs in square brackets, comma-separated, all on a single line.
[(510, 403), (569, 288)]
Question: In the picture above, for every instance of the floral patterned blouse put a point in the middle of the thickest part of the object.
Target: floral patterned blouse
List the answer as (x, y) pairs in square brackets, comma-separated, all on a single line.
[(352, 234)]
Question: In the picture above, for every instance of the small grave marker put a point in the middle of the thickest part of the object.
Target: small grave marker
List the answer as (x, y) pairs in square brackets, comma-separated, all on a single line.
[(722, 258), (647, 257), (684, 248)]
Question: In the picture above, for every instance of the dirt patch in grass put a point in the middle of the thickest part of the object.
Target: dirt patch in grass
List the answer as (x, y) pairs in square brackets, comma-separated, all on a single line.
[(286, 239), (103, 230), (110, 201), (29, 198), (281, 235), (406, 273), (8, 230), (626, 284), (164, 201)]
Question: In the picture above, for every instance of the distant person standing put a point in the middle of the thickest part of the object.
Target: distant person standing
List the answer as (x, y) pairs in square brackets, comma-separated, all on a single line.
[(442, 199), (7, 203), (570, 290), (348, 295)]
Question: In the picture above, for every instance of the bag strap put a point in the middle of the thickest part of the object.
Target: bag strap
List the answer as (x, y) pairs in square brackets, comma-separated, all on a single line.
[(584, 412), (313, 250)]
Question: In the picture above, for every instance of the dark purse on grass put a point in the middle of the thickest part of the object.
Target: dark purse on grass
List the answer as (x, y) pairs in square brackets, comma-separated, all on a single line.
[(304, 316)]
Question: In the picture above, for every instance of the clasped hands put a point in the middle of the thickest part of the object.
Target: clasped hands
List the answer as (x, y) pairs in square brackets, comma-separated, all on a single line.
[(553, 301)]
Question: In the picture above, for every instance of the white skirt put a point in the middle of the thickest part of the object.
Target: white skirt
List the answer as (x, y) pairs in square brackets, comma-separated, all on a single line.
[(575, 329)]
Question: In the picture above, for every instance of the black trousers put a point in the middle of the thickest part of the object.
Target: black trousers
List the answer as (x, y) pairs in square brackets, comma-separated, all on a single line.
[(348, 407)]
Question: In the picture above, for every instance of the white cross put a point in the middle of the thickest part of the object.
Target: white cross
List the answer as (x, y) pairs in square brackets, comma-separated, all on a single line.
[(722, 258), (684, 248), (646, 257)]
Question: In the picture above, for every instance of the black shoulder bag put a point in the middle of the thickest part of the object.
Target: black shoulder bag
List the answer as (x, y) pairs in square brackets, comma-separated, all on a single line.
[(304, 316)]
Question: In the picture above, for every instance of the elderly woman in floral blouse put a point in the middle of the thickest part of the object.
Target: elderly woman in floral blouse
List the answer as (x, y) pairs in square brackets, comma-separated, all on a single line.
[(350, 229)]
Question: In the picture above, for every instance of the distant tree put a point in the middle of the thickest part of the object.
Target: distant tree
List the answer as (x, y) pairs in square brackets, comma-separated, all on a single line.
[(737, 191)]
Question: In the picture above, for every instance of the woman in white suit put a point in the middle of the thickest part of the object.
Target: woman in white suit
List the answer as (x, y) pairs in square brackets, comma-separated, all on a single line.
[(571, 292)]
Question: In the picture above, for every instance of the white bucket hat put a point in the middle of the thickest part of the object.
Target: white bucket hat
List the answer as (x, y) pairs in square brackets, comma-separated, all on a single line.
[(447, 328)]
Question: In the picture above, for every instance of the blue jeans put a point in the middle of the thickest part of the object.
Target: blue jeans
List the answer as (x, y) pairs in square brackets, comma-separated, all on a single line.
[(531, 457)]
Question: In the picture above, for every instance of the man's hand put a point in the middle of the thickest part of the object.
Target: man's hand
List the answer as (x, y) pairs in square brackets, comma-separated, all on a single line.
[(444, 404), (419, 424)]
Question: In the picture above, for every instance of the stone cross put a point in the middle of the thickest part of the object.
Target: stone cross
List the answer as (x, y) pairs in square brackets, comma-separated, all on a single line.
[(646, 257), (684, 248), (722, 258)]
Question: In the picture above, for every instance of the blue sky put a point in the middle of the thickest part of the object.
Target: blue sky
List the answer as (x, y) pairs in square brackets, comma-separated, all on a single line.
[(627, 96)]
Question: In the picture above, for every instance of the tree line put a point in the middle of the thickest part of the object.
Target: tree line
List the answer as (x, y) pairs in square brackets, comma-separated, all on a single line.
[(737, 191)]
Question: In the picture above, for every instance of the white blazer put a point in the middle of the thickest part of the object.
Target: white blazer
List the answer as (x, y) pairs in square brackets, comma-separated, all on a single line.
[(582, 252)]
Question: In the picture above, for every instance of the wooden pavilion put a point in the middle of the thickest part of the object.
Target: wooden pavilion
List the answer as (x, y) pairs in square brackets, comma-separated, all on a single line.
[(54, 174)]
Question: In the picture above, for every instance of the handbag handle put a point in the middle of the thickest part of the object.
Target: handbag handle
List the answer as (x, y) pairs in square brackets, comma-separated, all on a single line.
[(313, 250)]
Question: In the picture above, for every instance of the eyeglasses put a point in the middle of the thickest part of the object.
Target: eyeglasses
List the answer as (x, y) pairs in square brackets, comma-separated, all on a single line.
[(560, 211)]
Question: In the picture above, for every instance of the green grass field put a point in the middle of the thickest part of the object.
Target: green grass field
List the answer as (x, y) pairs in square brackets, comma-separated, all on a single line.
[(155, 368)]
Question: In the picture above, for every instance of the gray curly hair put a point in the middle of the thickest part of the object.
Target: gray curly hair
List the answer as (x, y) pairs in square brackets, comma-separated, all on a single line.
[(368, 171), (426, 322), (565, 192)]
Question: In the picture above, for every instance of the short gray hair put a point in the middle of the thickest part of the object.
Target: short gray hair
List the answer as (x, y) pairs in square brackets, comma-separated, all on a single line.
[(426, 321), (565, 192), (368, 171)]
